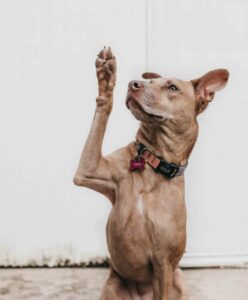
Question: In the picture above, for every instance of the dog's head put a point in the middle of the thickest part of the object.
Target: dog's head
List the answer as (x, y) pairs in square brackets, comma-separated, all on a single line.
[(159, 100)]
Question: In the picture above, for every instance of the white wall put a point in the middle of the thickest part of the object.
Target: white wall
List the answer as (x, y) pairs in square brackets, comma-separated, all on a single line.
[(48, 95)]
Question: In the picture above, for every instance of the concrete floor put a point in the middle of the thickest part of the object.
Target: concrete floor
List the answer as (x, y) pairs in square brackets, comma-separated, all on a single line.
[(85, 284)]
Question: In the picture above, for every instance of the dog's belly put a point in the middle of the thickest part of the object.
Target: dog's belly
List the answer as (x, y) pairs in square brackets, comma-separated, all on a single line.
[(140, 229)]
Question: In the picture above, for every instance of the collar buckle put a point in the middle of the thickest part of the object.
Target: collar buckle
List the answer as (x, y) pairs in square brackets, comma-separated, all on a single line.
[(168, 170)]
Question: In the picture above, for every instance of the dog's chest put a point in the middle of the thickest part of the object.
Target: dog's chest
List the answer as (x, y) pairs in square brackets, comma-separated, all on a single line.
[(148, 214), (148, 196)]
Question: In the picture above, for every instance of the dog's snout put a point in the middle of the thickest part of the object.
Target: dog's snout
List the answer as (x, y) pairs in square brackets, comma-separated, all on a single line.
[(135, 85)]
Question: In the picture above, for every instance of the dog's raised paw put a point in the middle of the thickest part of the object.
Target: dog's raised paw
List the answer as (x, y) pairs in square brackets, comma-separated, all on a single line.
[(106, 70)]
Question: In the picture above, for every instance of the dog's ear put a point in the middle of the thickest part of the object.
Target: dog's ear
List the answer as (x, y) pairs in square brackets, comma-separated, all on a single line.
[(150, 75), (206, 86)]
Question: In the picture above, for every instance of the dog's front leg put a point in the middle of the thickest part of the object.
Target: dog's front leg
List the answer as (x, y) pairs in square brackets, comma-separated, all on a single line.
[(162, 281), (94, 170)]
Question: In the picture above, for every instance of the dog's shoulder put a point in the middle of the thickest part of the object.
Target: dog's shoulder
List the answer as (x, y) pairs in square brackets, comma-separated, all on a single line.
[(119, 160)]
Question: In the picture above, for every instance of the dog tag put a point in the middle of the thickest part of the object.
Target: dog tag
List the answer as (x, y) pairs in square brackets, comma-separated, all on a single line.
[(138, 163)]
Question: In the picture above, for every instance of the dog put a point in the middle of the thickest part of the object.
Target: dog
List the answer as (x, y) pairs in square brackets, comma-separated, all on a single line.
[(146, 229)]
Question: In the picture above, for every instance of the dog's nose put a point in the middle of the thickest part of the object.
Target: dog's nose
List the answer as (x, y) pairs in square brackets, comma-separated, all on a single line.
[(135, 85)]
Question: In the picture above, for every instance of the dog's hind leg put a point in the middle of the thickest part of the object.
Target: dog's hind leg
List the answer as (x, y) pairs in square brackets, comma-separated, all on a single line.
[(118, 288), (178, 287), (115, 288)]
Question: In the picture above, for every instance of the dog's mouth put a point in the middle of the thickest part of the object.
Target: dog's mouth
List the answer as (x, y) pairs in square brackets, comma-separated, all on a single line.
[(128, 100), (137, 106)]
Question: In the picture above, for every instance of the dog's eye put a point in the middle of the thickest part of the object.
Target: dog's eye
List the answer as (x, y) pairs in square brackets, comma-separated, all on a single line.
[(172, 87)]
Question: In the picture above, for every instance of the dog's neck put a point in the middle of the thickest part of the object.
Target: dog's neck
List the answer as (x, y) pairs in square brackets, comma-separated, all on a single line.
[(172, 147)]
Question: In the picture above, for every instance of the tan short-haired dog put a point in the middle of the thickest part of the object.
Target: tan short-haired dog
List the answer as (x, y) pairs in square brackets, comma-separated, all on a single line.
[(146, 230)]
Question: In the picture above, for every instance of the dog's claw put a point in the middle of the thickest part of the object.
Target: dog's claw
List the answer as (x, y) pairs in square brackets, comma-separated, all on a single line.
[(109, 54), (103, 53)]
